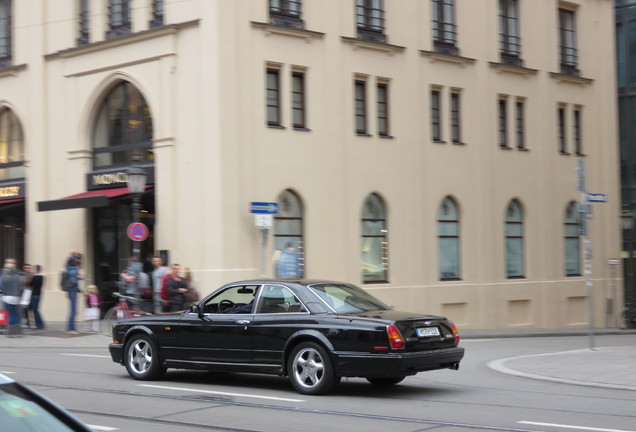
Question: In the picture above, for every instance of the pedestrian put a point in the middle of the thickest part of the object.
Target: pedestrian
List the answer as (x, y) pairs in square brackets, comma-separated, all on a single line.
[(177, 288), (73, 269), (192, 296), (130, 277), (91, 312), (158, 272), (11, 287), (26, 293), (37, 281)]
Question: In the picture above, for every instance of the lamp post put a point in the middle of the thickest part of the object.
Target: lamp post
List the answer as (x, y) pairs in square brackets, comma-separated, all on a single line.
[(627, 221), (136, 181)]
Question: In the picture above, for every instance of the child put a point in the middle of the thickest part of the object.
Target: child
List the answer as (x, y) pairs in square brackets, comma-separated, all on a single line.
[(91, 313)]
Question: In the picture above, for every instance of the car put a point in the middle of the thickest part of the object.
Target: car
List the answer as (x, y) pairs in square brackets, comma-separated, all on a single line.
[(313, 331), (25, 410)]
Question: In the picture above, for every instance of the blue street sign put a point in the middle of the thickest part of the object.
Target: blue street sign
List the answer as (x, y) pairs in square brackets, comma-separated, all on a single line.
[(592, 197), (264, 208)]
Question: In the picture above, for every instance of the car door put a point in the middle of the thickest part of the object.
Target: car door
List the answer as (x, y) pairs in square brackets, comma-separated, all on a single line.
[(279, 314), (221, 336)]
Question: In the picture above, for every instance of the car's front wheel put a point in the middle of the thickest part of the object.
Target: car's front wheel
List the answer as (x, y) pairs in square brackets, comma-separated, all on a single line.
[(142, 358), (310, 369)]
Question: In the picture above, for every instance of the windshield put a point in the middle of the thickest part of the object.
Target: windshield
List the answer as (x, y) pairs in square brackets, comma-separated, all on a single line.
[(345, 298)]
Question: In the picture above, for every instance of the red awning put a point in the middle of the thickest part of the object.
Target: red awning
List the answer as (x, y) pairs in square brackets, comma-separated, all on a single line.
[(12, 201), (94, 198)]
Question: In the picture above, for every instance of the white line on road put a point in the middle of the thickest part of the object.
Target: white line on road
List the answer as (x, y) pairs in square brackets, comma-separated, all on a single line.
[(6, 372), (573, 427), (85, 355), (102, 428), (222, 393)]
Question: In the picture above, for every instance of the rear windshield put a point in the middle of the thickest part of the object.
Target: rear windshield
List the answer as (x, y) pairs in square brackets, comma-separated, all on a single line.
[(345, 298)]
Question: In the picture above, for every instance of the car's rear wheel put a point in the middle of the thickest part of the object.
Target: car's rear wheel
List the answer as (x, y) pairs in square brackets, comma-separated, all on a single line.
[(386, 381), (310, 369), (142, 358)]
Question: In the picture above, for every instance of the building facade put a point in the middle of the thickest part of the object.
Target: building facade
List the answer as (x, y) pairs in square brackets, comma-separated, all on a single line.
[(433, 151)]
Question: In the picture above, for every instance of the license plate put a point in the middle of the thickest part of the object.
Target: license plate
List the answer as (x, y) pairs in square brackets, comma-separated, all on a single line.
[(427, 331)]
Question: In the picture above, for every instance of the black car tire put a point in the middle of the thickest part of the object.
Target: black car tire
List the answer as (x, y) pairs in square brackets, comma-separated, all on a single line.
[(386, 381), (310, 369), (141, 358)]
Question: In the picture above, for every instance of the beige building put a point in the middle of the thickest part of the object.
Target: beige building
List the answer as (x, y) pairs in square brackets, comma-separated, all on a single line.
[(424, 149)]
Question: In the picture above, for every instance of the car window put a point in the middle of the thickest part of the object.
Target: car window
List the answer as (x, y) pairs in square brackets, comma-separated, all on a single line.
[(22, 412), (231, 299), (345, 298), (278, 299)]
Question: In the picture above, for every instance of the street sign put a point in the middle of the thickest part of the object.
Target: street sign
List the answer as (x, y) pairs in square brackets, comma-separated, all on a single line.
[(596, 197), (264, 208), (137, 232), (263, 220)]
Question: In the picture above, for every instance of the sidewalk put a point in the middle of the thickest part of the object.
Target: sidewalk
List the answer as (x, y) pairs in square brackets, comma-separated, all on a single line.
[(608, 367)]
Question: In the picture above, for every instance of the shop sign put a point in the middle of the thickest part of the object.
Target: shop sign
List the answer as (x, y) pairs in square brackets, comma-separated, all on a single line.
[(114, 178), (11, 191)]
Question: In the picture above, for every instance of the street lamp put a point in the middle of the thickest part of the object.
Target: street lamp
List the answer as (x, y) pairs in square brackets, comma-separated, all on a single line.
[(136, 181), (627, 221)]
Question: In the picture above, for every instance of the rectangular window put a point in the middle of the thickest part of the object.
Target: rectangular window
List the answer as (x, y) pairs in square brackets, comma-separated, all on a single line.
[(361, 107), (509, 41), (503, 123), (370, 20), (286, 13), (578, 140), (383, 109), (567, 37), (157, 13), (273, 97), (436, 116), (84, 36), (298, 100), (444, 33), (119, 18), (6, 31), (455, 118), (520, 125), (563, 149)]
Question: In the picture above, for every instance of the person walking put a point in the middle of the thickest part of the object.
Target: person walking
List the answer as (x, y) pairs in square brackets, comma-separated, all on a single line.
[(177, 288), (158, 272), (73, 269), (37, 281), (91, 312), (26, 294), (11, 287), (130, 277)]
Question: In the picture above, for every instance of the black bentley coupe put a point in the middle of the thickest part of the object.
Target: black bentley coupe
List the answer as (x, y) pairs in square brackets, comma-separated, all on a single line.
[(313, 331)]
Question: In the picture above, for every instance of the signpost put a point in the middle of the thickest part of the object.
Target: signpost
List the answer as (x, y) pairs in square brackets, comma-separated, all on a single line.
[(584, 213), (263, 219)]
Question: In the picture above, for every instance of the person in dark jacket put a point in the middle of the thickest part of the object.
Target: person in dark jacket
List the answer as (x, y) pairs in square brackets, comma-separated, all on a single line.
[(12, 289), (177, 288), (73, 269), (34, 306)]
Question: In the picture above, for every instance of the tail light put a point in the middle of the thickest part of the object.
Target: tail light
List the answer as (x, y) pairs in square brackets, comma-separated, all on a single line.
[(455, 332), (395, 337)]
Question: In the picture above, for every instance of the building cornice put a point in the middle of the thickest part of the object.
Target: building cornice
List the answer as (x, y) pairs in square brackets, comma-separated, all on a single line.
[(270, 29), (569, 79), (12, 70), (518, 70), (376, 46), (130, 39), (455, 59)]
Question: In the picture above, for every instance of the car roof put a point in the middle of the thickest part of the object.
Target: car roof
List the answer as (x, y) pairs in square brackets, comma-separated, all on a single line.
[(5, 379), (285, 281)]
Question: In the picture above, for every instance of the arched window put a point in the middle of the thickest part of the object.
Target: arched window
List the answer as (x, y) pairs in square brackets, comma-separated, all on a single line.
[(514, 240), (289, 244), (572, 241), (123, 127), (374, 253), (11, 146), (448, 239)]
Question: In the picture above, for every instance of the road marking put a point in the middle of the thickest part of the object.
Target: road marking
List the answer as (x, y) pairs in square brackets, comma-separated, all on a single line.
[(6, 372), (102, 428), (222, 393), (573, 427), (85, 355)]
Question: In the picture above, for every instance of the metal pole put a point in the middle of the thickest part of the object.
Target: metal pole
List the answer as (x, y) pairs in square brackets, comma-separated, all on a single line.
[(264, 237), (136, 211)]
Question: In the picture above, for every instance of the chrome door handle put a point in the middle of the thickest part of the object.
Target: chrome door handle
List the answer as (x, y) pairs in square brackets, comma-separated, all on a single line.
[(243, 322)]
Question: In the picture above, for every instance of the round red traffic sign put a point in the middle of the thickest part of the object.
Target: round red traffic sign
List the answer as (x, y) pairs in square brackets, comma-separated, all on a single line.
[(137, 231)]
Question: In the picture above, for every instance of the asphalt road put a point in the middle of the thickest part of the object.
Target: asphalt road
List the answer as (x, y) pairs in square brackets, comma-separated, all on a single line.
[(477, 397)]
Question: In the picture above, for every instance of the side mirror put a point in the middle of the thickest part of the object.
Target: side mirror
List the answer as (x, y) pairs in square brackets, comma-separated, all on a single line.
[(196, 309)]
